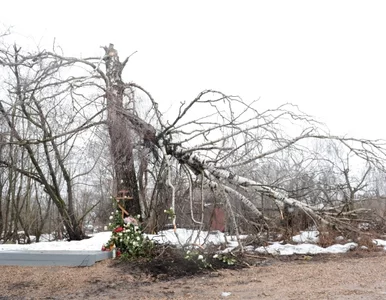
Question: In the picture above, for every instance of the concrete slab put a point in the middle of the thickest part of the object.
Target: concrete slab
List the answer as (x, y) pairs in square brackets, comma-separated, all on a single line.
[(52, 258)]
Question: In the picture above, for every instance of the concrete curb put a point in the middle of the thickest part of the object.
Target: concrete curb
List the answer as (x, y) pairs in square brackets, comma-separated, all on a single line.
[(52, 258)]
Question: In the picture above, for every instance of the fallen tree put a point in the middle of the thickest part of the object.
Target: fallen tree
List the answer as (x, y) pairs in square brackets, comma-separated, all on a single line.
[(220, 140)]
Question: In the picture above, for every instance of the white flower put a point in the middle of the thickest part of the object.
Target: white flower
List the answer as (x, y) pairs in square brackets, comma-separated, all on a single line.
[(120, 234), (117, 211), (109, 224), (138, 216), (215, 256), (187, 252), (135, 243), (165, 210), (200, 257), (112, 212), (138, 238), (111, 217)]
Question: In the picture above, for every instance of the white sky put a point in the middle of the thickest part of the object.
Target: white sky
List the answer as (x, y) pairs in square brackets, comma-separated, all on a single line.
[(328, 57)]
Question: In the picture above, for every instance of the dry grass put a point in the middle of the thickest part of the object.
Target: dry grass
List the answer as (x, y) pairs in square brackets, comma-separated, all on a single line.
[(328, 238)]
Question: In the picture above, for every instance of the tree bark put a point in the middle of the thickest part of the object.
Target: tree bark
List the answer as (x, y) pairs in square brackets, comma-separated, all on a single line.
[(119, 131)]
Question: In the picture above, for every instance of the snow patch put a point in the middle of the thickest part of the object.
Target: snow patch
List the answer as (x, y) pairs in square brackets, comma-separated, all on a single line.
[(303, 249), (379, 242), (184, 237), (92, 244), (306, 237)]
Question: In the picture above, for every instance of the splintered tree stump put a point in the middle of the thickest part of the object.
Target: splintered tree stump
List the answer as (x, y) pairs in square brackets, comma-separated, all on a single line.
[(121, 197)]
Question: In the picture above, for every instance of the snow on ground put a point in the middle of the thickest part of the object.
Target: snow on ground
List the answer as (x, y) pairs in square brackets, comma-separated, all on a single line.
[(306, 243), (311, 249), (187, 236), (380, 243), (306, 237), (92, 244)]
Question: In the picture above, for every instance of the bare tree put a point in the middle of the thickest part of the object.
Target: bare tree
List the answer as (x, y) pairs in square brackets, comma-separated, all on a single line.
[(217, 140), (38, 97), (348, 182)]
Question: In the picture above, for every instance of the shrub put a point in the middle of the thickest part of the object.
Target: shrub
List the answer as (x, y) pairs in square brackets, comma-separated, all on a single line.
[(127, 237)]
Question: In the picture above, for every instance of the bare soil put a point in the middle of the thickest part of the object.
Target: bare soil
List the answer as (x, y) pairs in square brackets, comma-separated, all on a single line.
[(357, 275)]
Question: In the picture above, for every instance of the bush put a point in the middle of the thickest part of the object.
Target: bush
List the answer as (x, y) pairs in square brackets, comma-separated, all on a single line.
[(127, 237)]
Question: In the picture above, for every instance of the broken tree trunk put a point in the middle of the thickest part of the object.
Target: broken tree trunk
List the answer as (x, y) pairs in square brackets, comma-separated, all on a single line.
[(119, 130)]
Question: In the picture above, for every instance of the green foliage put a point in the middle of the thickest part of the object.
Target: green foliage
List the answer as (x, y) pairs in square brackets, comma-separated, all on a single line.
[(227, 259), (127, 237), (115, 219), (209, 259), (198, 258), (170, 212)]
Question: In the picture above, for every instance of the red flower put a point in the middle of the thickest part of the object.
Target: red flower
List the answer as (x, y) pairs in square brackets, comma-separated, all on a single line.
[(118, 253), (118, 229), (103, 248)]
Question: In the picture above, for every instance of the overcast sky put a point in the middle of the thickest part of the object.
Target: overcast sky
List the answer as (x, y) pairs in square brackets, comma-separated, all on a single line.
[(328, 57)]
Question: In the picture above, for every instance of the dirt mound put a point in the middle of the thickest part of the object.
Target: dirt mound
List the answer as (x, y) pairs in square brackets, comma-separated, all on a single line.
[(169, 263)]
